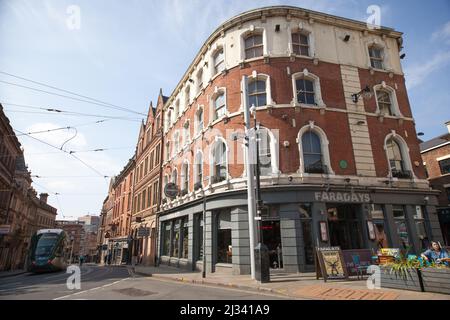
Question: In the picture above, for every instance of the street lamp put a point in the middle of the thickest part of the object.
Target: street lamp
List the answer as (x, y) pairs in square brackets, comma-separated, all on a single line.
[(366, 93)]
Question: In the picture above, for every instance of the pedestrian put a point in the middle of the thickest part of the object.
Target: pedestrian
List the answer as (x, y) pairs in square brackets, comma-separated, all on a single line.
[(81, 260), (436, 254)]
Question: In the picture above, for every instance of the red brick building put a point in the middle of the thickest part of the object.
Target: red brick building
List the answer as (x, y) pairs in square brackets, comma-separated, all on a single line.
[(340, 164), (436, 158), (147, 185)]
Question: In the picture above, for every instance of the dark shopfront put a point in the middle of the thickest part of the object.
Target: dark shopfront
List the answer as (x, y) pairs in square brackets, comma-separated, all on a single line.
[(292, 228)]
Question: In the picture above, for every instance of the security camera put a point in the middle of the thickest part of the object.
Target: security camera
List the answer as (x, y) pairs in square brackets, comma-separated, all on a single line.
[(252, 109)]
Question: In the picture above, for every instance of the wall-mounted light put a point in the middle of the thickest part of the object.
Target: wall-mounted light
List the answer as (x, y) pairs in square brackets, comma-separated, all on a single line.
[(346, 38), (277, 28), (191, 81), (403, 56), (366, 93), (420, 134)]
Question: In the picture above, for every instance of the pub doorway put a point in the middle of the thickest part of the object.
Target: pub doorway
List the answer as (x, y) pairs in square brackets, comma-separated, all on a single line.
[(271, 237), (345, 226)]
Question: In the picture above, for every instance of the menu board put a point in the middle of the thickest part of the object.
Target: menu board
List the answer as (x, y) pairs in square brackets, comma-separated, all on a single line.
[(330, 264)]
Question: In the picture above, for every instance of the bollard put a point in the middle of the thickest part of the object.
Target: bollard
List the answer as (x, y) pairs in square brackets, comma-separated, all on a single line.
[(262, 263)]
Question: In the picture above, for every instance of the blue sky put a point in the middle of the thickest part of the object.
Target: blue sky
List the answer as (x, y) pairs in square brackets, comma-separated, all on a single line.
[(125, 51)]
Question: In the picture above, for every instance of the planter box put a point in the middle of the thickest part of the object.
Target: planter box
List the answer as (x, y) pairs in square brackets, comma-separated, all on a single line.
[(398, 281), (436, 280)]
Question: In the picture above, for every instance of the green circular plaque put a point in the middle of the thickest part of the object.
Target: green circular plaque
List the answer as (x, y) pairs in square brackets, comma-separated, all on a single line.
[(343, 164)]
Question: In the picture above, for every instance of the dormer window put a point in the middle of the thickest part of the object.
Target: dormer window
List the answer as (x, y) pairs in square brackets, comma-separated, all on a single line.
[(300, 44), (376, 57), (254, 46)]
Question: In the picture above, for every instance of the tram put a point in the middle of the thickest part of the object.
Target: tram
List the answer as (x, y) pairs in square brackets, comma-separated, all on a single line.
[(49, 251)]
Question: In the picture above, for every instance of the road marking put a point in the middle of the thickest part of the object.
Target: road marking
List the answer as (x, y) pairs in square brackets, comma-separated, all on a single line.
[(92, 289)]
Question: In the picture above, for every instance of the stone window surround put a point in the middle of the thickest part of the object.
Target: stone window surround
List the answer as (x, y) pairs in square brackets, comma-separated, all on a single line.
[(392, 95), (380, 45), (266, 78), (182, 176), (212, 108), (306, 30), (404, 149), (247, 32), (217, 47), (196, 163), (305, 74), (212, 157), (324, 144)]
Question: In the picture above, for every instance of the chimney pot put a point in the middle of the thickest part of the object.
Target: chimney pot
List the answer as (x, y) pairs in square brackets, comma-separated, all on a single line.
[(43, 197), (448, 126)]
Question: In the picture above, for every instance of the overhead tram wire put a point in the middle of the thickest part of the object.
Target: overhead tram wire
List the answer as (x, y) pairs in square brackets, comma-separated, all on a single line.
[(97, 101), (61, 128), (64, 112), (65, 151)]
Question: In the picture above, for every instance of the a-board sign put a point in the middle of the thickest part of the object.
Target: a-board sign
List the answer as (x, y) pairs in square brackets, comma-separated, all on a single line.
[(330, 264)]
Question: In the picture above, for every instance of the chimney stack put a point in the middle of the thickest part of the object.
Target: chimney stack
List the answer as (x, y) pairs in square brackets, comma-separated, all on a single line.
[(43, 197), (448, 126)]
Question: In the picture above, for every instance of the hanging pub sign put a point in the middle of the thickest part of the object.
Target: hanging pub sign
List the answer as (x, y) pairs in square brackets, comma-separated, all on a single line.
[(330, 264), (171, 190)]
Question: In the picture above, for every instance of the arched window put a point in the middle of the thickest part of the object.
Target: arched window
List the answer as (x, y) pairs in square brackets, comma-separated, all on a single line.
[(199, 121), (175, 176), (176, 112), (187, 97), (219, 162), (185, 178), (168, 119), (312, 153), (253, 44), (398, 163), (257, 94), (265, 154), (307, 89), (219, 61), (186, 133), (199, 81), (176, 142), (300, 44), (198, 170), (219, 105)]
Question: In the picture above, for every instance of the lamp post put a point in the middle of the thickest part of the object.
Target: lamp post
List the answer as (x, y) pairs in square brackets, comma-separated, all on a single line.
[(250, 179)]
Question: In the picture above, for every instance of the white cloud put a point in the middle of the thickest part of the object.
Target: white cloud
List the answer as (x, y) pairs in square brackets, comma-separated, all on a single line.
[(442, 34), (418, 73)]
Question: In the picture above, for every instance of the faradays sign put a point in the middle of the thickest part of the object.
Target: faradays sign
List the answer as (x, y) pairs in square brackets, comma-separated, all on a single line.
[(342, 197)]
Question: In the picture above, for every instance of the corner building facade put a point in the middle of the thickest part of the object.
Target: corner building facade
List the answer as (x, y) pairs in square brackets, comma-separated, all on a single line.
[(336, 169)]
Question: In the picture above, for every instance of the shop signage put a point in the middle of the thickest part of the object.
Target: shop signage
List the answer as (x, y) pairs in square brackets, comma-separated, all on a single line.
[(171, 190), (5, 228), (331, 263), (342, 197), (143, 232)]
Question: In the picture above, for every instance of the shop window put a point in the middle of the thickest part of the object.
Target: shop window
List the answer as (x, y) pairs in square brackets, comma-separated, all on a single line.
[(257, 95), (199, 243), (166, 239), (306, 222), (185, 234), (176, 239), (224, 249), (445, 166), (345, 226), (379, 220), (421, 223), (402, 229)]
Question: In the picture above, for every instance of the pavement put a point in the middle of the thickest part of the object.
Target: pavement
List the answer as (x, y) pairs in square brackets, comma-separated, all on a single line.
[(5, 274), (289, 285)]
